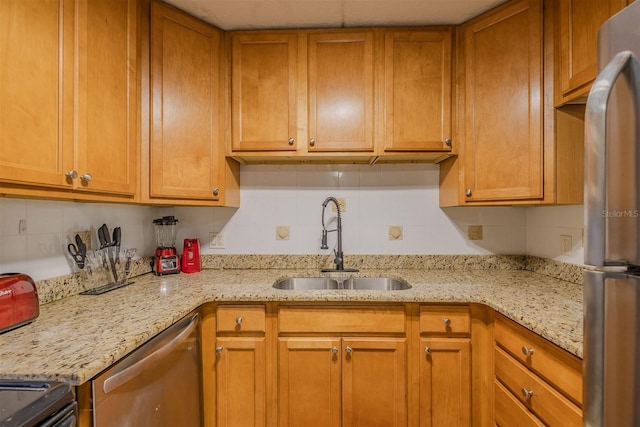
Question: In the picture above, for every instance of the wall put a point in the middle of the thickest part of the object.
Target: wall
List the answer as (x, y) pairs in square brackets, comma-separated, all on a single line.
[(377, 196)]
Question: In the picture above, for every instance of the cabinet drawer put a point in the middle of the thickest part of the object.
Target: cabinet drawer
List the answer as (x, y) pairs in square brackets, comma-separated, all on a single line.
[(549, 405), (249, 318), (380, 320), (549, 361), (510, 412), (444, 319)]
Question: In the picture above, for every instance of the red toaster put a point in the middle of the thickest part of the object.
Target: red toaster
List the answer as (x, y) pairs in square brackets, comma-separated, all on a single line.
[(19, 303)]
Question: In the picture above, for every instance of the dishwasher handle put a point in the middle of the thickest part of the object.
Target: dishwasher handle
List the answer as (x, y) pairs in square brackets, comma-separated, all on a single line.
[(132, 371)]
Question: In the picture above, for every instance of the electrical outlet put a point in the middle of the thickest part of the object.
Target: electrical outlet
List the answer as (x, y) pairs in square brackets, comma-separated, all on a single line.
[(216, 240), (343, 205), (282, 232), (395, 232), (565, 244), (474, 232)]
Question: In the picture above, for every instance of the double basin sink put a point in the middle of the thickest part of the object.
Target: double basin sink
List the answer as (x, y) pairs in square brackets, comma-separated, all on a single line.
[(353, 283)]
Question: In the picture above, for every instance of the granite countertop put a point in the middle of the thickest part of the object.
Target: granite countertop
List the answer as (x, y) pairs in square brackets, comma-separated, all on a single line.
[(77, 337)]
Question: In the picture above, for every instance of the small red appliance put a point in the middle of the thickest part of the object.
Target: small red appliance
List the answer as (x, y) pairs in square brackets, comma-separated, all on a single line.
[(18, 301), (166, 260), (191, 256)]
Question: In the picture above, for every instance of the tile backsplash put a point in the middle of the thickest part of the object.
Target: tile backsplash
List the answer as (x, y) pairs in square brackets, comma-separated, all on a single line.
[(377, 198)]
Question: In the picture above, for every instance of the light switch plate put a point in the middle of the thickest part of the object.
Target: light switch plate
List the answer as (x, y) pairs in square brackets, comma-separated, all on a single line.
[(343, 205)]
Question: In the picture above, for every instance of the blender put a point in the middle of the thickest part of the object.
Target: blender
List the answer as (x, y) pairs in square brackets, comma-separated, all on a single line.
[(166, 260)]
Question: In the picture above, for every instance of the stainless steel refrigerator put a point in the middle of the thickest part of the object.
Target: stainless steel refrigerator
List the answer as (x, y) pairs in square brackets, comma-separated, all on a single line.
[(612, 228)]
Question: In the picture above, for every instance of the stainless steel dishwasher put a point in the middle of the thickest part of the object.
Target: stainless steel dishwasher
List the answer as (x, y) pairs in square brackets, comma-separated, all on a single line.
[(158, 385)]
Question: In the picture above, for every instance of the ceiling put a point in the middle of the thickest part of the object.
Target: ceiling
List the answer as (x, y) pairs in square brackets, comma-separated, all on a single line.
[(262, 14)]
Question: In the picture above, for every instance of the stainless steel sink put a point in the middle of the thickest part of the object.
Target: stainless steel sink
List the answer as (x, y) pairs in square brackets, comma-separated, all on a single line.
[(375, 284), (306, 283), (354, 283)]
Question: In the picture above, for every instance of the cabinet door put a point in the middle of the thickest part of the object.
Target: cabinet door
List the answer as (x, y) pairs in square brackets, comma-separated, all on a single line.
[(445, 382), (36, 92), (263, 91), (186, 160), (309, 382), (417, 90), (241, 375), (579, 22), (374, 382), (106, 109), (503, 146), (340, 79)]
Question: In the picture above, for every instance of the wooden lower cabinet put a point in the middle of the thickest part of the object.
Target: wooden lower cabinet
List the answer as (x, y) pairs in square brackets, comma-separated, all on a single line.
[(445, 382), (352, 365), (309, 381), (537, 383), (333, 381), (374, 372), (241, 375)]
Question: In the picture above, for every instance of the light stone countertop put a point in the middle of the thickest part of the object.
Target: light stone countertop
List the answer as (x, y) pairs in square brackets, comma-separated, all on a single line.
[(77, 337)]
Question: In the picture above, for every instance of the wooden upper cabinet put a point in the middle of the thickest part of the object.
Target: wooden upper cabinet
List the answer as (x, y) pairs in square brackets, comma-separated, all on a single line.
[(417, 90), (340, 91), (264, 91), (36, 92), (106, 85), (186, 161), (503, 144), (578, 22)]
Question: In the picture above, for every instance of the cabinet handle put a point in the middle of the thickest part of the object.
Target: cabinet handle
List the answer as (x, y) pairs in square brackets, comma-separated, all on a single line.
[(447, 141), (527, 351), (334, 350), (447, 322), (219, 349), (528, 394), (216, 191), (312, 142), (427, 350), (86, 177), (239, 320), (72, 174), (291, 141), (468, 192), (349, 350)]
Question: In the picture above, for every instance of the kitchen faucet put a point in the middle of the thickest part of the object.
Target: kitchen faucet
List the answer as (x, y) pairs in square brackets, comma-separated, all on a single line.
[(339, 259)]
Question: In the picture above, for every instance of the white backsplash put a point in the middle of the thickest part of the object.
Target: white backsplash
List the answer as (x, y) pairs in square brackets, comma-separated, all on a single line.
[(377, 196)]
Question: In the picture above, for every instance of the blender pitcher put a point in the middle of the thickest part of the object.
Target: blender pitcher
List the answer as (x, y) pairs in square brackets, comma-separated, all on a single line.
[(166, 259)]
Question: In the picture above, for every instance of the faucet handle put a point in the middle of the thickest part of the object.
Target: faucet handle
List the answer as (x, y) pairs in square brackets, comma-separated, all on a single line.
[(324, 245)]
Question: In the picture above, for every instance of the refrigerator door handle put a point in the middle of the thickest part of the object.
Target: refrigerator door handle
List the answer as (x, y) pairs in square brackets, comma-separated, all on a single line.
[(593, 362), (595, 159)]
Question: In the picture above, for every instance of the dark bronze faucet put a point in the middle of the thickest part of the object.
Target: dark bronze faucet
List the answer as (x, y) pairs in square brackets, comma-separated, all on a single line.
[(339, 255)]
